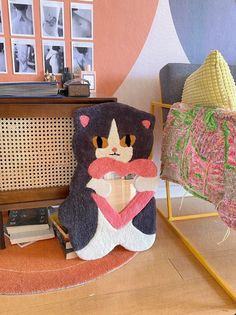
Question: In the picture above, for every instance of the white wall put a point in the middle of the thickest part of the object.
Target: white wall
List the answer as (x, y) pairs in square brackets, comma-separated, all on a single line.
[(142, 83)]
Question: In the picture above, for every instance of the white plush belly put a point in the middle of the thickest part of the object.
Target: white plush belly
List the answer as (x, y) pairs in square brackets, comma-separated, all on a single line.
[(107, 237)]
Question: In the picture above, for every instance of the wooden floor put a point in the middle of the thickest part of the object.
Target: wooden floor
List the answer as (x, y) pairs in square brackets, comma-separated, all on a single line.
[(163, 280)]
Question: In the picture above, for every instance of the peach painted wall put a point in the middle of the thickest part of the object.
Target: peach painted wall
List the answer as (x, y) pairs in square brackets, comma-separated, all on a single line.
[(120, 30)]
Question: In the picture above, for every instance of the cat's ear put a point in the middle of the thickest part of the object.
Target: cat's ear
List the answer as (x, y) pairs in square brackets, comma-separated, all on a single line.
[(146, 123), (84, 120)]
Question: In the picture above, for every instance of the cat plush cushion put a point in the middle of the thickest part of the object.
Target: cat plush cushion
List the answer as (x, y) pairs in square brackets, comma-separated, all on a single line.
[(110, 137)]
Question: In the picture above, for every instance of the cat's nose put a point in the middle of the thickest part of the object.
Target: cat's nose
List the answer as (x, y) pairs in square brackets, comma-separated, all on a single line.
[(114, 149)]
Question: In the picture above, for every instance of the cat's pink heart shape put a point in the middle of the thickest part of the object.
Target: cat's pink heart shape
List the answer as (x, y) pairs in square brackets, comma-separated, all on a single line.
[(141, 167)]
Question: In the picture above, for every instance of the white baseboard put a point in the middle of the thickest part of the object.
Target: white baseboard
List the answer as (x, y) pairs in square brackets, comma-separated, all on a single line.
[(175, 189)]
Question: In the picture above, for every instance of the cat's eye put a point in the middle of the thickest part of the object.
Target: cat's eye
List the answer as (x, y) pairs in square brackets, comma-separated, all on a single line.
[(100, 142), (128, 141)]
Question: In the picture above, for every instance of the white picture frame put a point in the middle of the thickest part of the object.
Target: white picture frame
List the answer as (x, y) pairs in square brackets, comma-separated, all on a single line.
[(24, 56), (3, 61), (91, 77), (1, 20), (52, 19), (54, 56), (81, 21), (21, 17), (82, 56)]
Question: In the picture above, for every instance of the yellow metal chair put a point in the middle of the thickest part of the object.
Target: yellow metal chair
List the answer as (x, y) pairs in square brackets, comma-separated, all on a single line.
[(172, 78)]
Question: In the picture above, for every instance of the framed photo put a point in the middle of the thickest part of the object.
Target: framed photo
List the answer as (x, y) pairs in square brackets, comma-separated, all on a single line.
[(1, 20), (82, 56), (3, 64), (54, 56), (52, 19), (91, 77), (21, 17), (81, 21), (24, 56)]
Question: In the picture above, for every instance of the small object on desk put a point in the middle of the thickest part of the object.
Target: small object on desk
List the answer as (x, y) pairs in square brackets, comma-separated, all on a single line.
[(87, 67), (77, 87), (91, 77), (53, 78), (63, 92), (47, 77), (66, 75), (28, 89)]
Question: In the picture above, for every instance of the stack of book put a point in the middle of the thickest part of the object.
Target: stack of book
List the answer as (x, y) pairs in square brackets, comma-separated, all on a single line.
[(28, 225), (28, 89), (62, 236)]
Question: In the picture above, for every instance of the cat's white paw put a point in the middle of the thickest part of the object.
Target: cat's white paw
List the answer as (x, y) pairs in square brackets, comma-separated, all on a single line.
[(145, 183), (101, 186)]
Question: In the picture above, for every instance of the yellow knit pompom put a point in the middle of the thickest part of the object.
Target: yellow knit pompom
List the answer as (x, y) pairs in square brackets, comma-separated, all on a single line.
[(212, 84)]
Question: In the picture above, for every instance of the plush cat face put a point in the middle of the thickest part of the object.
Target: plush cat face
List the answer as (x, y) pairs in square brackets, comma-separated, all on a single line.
[(112, 130), (113, 146)]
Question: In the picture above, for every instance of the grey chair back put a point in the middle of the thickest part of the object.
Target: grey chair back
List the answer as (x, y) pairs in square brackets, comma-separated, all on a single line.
[(172, 78)]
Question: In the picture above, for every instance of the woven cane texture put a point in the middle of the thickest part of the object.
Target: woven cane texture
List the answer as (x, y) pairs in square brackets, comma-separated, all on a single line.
[(36, 152), (211, 84)]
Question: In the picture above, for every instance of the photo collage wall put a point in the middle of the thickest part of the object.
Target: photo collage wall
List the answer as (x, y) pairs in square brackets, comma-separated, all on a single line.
[(23, 50)]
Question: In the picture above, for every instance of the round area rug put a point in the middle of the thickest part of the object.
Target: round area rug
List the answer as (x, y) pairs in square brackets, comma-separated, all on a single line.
[(41, 267)]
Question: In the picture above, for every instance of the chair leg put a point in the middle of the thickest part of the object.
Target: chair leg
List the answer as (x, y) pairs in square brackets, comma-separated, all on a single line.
[(2, 240), (168, 200)]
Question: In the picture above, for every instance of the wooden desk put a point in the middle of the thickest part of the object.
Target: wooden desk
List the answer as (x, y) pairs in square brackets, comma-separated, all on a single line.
[(37, 161)]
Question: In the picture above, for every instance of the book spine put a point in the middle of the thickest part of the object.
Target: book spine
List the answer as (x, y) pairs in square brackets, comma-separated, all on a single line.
[(60, 229), (71, 255), (27, 219), (64, 243)]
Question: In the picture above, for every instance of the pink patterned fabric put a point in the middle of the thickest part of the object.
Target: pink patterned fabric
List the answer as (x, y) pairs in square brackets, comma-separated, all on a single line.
[(199, 153)]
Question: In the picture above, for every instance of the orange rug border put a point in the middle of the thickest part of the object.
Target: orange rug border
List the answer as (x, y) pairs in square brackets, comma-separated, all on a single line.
[(22, 282)]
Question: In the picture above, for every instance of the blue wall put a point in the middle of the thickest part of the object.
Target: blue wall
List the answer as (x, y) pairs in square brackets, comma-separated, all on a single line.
[(205, 25)]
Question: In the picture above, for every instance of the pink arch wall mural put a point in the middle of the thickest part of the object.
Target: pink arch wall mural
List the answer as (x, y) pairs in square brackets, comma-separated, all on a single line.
[(120, 31)]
